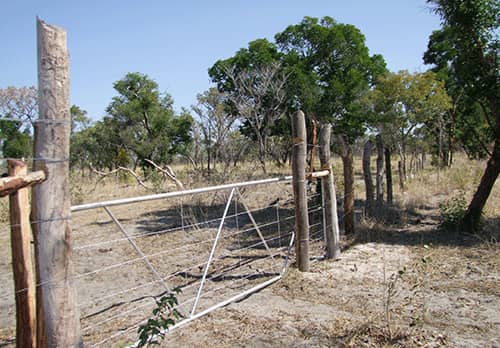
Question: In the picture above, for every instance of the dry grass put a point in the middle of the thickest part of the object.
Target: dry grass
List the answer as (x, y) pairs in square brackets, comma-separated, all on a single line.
[(451, 299)]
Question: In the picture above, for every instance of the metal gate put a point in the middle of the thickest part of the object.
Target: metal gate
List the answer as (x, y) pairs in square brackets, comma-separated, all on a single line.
[(217, 244)]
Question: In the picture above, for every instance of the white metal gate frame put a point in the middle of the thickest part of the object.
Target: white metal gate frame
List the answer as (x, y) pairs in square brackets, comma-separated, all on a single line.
[(234, 190)]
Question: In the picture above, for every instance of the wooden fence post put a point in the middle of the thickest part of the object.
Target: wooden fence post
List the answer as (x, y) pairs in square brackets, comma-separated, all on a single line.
[(380, 171), (58, 321), (22, 267), (328, 190), (299, 153)]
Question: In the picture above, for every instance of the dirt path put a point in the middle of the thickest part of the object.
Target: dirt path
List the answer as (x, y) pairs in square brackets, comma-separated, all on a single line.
[(417, 288)]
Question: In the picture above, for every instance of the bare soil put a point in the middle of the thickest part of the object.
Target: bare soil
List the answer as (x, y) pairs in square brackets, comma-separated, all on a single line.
[(415, 286), (407, 283)]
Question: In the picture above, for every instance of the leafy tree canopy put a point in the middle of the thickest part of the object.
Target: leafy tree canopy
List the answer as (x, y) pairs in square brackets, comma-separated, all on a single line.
[(330, 69)]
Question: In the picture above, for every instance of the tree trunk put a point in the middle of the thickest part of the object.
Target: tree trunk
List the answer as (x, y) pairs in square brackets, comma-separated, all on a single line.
[(57, 310), (474, 211), (328, 190), (401, 176), (262, 152), (388, 175), (348, 168), (367, 173)]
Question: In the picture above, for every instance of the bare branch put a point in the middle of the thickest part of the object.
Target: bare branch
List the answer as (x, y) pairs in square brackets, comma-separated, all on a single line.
[(168, 172)]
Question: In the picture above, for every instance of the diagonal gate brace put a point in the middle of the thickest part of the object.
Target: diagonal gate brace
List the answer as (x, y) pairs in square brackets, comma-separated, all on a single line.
[(136, 247)]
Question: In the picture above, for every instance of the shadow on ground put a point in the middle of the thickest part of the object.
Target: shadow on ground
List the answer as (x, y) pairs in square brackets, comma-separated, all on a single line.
[(415, 228)]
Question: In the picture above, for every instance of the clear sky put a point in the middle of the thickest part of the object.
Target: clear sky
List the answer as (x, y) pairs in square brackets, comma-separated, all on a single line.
[(175, 42)]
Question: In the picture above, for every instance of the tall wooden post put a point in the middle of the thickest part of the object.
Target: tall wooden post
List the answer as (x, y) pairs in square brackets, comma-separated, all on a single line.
[(367, 173), (57, 312), (330, 198), (22, 267), (299, 153)]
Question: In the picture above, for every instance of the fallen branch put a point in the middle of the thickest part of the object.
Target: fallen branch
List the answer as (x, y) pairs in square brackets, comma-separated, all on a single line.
[(134, 174), (114, 171), (167, 171)]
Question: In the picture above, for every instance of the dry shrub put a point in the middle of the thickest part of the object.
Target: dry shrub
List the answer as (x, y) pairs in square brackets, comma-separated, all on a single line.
[(372, 335)]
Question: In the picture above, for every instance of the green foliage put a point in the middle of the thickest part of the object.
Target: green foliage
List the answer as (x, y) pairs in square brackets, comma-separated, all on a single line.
[(464, 53), (18, 107), (79, 119), (141, 124), (330, 69), (453, 211), (409, 109), (15, 143), (145, 122), (164, 316)]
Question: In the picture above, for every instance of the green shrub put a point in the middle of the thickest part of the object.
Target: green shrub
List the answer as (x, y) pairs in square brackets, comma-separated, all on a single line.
[(453, 211), (164, 316)]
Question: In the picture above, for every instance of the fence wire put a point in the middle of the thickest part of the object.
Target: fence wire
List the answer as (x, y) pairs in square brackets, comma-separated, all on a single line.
[(114, 286)]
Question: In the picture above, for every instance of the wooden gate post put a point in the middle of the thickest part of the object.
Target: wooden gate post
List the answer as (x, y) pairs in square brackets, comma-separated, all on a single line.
[(299, 153), (58, 322), (328, 190), (22, 267)]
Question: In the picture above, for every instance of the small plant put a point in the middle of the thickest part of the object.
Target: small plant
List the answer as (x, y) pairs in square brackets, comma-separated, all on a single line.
[(391, 291), (453, 211), (164, 316)]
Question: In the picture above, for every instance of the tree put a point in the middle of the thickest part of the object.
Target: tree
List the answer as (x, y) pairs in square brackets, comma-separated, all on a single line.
[(254, 84), (79, 119), (216, 123), (405, 106), (145, 121), (15, 143), (18, 110), (466, 50), (330, 69)]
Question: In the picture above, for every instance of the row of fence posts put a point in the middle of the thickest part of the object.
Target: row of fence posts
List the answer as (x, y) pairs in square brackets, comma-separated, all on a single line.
[(47, 314)]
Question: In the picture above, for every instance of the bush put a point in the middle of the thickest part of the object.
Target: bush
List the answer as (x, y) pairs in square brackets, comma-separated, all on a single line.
[(164, 316), (453, 211)]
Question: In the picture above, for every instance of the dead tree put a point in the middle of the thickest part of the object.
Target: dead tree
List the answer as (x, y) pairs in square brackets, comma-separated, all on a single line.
[(258, 95)]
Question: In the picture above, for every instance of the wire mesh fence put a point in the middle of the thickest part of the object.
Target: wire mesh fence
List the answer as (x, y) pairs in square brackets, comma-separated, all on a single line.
[(211, 245)]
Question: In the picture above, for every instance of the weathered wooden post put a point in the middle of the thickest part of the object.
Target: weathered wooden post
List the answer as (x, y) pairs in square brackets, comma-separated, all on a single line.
[(328, 191), (22, 267), (367, 173), (379, 181), (299, 153), (58, 321)]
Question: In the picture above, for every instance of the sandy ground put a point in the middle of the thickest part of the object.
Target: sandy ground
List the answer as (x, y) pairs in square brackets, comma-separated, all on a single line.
[(378, 294), (405, 285)]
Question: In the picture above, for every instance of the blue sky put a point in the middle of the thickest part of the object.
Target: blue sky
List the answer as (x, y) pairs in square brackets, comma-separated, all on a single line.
[(175, 42)]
